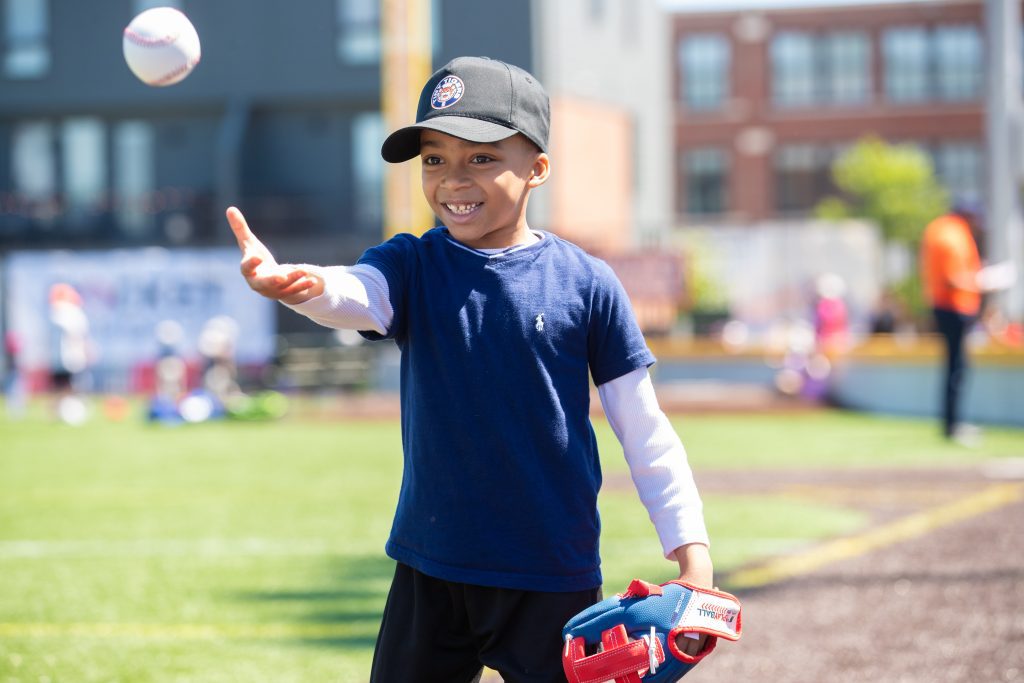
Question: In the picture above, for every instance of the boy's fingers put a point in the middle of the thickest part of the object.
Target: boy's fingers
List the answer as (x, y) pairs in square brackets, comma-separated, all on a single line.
[(690, 646), (296, 288), (243, 235), (291, 277), (250, 264), (282, 277)]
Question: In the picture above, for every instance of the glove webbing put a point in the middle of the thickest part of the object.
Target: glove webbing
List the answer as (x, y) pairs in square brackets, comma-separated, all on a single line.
[(622, 659)]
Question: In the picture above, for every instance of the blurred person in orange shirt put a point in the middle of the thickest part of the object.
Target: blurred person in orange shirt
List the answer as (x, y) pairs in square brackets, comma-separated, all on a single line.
[(954, 282)]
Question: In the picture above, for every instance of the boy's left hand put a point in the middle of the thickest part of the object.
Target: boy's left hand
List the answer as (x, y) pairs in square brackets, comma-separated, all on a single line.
[(695, 568)]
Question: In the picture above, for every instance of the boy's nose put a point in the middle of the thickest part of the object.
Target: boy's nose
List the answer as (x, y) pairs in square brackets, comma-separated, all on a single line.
[(455, 178)]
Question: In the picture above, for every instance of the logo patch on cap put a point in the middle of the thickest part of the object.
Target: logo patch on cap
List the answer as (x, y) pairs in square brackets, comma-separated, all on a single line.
[(448, 92)]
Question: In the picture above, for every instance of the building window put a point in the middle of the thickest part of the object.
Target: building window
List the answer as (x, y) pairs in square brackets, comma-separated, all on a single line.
[(827, 69), (84, 167), (906, 64), (958, 166), (358, 31), (134, 172), (140, 6), (958, 62), (847, 58), (802, 176), (945, 64), (705, 62), (705, 171), (33, 166), (793, 79), (367, 171), (26, 37)]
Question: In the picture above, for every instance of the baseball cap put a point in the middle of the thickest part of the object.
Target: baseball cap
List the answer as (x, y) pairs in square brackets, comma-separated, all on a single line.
[(477, 99)]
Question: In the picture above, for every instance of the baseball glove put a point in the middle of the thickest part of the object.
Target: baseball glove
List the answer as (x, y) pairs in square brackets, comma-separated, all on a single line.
[(625, 638)]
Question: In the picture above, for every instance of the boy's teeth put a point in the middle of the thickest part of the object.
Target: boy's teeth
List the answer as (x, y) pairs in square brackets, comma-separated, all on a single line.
[(461, 208)]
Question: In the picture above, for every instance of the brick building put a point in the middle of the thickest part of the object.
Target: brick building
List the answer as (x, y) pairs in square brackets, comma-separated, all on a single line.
[(765, 100)]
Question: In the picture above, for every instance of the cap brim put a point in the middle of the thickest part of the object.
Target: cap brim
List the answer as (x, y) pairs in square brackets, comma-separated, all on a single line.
[(404, 143)]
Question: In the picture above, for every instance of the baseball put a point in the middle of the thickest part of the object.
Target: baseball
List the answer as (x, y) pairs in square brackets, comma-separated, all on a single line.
[(161, 46)]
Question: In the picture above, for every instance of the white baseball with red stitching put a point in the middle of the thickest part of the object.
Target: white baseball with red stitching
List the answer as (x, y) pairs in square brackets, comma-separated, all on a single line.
[(161, 46)]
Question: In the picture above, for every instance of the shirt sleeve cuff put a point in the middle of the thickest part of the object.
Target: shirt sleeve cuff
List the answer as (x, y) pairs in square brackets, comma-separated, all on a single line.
[(680, 528)]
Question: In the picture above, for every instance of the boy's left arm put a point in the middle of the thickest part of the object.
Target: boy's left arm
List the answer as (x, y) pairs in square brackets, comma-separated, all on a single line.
[(695, 565), (663, 479)]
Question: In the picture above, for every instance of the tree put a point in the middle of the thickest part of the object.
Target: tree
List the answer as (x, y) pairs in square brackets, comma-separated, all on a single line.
[(892, 185)]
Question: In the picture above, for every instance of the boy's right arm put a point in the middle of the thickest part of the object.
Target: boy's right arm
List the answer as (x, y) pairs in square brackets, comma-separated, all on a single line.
[(286, 283), (339, 297)]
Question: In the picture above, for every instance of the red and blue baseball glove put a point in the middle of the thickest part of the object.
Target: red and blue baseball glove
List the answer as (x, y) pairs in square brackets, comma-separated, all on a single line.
[(632, 636)]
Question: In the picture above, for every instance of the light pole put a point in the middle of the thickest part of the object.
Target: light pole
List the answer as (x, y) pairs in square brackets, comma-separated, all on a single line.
[(1005, 137), (405, 66)]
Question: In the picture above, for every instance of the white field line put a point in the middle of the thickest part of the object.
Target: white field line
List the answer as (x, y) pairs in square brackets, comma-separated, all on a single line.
[(150, 547), (141, 631)]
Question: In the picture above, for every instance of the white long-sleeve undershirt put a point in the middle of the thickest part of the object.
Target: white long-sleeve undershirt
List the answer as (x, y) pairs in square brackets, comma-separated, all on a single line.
[(657, 459), (357, 297)]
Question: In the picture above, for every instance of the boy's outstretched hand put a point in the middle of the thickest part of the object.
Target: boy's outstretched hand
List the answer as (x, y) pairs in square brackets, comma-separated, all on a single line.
[(280, 281)]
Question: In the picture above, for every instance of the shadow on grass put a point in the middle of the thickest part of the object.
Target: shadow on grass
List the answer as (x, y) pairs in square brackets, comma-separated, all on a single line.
[(344, 614)]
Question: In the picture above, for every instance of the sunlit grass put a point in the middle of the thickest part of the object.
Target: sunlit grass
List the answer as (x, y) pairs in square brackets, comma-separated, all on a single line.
[(254, 552)]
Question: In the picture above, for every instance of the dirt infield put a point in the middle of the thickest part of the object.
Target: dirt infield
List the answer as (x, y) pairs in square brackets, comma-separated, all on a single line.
[(946, 604)]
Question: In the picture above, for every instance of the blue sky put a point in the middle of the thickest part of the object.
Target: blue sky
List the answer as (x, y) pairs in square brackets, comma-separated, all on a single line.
[(723, 5)]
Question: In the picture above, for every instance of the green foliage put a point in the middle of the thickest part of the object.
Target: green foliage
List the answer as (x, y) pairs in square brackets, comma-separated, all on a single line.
[(705, 292), (910, 293), (826, 439), (832, 209), (892, 185)]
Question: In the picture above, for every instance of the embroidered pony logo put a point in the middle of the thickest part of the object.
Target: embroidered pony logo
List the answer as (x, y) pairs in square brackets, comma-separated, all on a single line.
[(539, 322)]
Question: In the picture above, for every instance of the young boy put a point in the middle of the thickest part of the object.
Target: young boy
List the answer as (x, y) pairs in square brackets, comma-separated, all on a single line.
[(500, 328)]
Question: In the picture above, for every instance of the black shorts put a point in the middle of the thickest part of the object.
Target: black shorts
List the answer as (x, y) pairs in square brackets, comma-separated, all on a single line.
[(441, 631), (60, 380)]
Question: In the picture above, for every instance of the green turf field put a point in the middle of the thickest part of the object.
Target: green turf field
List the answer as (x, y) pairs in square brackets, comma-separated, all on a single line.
[(253, 552)]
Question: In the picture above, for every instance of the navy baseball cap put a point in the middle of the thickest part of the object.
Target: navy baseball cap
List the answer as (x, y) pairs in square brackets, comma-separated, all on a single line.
[(477, 99), (968, 205)]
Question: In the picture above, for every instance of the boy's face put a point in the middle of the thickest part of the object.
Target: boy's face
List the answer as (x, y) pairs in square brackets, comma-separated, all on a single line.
[(479, 190)]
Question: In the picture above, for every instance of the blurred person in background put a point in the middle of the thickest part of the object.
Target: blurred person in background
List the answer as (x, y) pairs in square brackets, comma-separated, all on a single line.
[(69, 351), (171, 370), (217, 342), (170, 373), (831, 321), (14, 385), (888, 316), (954, 281)]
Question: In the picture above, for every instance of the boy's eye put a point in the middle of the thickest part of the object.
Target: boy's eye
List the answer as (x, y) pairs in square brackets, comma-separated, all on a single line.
[(481, 159), (431, 161)]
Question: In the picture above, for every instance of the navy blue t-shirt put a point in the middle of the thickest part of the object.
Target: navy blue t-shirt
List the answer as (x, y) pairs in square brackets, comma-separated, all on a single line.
[(501, 471)]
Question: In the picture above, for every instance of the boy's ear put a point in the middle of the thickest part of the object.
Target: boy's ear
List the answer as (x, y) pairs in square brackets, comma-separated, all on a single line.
[(540, 171)]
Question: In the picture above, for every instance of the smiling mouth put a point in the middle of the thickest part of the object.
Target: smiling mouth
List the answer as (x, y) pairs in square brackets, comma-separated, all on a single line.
[(462, 209)]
